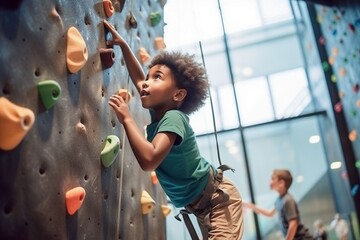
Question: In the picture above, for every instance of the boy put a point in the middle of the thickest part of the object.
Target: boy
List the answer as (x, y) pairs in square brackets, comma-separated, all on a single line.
[(175, 86), (285, 206)]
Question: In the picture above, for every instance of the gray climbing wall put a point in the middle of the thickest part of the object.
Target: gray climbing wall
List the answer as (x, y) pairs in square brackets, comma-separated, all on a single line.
[(62, 149)]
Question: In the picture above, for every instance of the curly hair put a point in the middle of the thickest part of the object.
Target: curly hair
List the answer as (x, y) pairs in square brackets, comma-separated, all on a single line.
[(189, 75)]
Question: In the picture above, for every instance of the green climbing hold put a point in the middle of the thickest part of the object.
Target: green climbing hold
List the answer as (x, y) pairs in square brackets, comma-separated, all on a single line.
[(155, 18), (357, 164), (326, 66), (110, 151), (50, 92), (333, 78)]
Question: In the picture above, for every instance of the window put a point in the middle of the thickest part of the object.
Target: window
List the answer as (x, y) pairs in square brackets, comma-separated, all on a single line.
[(290, 92), (254, 101)]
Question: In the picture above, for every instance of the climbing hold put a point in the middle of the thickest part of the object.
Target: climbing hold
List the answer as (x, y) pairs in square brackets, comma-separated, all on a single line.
[(155, 18), (322, 40), (351, 27), (49, 91), (335, 51), (319, 18), (326, 66), (110, 151), (15, 122), (80, 127), (358, 103), (132, 20), (144, 55), (331, 60), (338, 107), (159, 43), (353, 113), (76, 51), (108, 7), (354, 189), (333, 78), (341, 94), (342, 72), (356, 87), (54, 13), (357, 164), (353, 135), (147, 203), (107, 56), (154, 178), (166, 210), (74, 199), (125, 94)]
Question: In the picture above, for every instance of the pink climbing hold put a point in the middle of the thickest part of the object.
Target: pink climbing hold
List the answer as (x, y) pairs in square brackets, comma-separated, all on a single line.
[(338, 107)]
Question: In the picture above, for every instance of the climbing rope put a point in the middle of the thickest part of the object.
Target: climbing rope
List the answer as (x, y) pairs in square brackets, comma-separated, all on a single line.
[(212, 108), (117, 233)]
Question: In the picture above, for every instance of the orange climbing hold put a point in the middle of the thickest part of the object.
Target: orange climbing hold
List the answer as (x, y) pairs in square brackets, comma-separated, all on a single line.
[(147, 203), (159, 43), (144, 55), (125, 95), (15, 122), (108, 7), (154, 178), (76, 51), (74, 199)]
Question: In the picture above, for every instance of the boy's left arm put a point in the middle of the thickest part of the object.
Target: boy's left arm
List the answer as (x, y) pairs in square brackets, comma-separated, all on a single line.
[(293, 225)]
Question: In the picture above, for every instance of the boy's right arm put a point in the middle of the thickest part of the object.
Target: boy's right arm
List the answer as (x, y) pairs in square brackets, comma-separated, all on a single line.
[(256, 209), (133, 65)]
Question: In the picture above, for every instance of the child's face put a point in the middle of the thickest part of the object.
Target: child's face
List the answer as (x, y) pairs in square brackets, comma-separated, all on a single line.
[(275, 182), (159, 89)]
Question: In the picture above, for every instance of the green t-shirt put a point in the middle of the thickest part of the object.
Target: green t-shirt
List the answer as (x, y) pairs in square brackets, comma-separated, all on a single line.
[(183, 173)]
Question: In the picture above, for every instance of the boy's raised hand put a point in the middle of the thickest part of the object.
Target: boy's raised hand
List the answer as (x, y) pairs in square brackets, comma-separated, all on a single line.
[(116, 38)]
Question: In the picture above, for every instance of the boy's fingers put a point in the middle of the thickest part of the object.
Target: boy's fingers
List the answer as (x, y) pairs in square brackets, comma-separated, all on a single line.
[(110, 27)]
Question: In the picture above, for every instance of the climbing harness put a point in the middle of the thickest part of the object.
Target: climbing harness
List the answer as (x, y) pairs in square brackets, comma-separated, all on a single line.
[(203, 206)]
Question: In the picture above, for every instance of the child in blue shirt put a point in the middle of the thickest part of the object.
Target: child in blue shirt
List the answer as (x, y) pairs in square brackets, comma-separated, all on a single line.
[(285, 206)]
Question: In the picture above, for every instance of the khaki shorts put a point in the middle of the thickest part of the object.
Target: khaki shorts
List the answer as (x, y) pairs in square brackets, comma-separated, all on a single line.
[(224, 220)]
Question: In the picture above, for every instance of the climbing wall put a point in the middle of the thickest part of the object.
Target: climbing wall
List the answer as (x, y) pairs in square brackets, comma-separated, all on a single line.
[(340, 26), (66, 168)]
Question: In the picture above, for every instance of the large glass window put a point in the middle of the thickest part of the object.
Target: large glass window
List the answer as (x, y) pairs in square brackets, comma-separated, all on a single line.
[(295, 145), (290, 93), (271, 12), (254, 101), (240, 15)]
